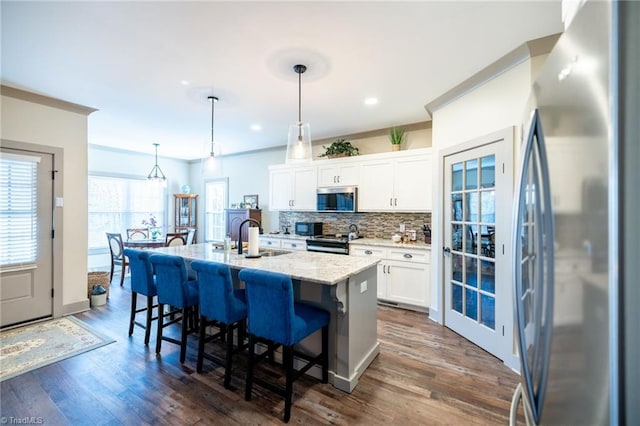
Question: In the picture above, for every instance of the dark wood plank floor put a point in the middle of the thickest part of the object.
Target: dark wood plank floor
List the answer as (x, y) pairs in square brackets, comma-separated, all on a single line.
[(425, 374)]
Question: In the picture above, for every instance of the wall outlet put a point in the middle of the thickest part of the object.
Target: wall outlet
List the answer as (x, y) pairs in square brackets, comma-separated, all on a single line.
[(363, 286)]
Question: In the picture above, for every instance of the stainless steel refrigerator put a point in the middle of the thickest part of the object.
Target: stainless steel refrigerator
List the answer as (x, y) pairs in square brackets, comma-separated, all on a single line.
[(575, 231)]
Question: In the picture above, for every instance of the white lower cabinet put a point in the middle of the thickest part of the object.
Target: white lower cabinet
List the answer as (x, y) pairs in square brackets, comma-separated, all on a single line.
[(403, 274)]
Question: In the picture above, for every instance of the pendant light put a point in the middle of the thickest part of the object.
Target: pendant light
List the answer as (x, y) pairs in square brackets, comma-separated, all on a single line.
[(156, 175), (210, 162), (299, 140)]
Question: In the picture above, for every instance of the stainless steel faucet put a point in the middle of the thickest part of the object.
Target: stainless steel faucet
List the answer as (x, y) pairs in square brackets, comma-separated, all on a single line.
[(240, 232)]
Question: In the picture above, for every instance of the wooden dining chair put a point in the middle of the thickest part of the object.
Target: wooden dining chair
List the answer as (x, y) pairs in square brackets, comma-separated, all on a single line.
[(175, 239), (116, 247), (137, 234)]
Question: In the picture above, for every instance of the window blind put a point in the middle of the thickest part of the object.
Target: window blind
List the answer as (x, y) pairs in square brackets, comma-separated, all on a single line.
[(18, 209)]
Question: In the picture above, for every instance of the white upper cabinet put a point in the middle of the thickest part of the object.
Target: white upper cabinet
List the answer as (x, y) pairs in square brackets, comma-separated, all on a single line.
[(292, 188), (399, 184), (375, 192), (338, 175), (412, 184)]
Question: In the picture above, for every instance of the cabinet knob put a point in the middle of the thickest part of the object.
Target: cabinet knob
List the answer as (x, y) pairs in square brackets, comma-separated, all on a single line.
[(407, 255), (368, 252), (391, 202), (294, 245), (269, 242)]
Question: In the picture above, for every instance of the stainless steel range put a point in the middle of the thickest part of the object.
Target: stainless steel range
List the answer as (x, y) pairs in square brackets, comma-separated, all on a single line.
[(328, 244)]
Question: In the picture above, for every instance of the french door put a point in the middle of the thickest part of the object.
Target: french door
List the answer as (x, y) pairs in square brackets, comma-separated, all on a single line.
[(477, 226)]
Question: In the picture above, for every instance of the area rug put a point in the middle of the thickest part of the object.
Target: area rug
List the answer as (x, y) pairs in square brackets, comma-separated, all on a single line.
[(33, 346)]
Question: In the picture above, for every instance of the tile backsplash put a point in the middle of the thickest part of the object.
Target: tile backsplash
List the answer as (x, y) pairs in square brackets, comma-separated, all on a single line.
[(371, 225)]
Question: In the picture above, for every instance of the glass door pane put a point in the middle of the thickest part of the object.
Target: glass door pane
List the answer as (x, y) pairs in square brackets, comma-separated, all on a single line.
[(473, 209)]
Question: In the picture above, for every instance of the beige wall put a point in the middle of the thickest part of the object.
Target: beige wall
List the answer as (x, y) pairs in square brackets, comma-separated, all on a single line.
[(31, 122), (417, 135)]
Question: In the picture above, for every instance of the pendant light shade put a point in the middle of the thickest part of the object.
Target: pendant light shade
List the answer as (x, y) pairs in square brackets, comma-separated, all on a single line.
[(299, 139), (211, 162), (155, 175)]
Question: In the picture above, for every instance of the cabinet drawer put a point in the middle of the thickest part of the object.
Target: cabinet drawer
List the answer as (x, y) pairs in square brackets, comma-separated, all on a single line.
[(270, 242), (294, 245), (409, 255), (367, 251)]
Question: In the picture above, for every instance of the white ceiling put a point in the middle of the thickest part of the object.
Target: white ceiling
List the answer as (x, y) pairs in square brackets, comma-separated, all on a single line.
[(148, 67)]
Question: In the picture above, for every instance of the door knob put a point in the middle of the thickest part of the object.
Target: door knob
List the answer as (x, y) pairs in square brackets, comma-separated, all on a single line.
[(446, 249)]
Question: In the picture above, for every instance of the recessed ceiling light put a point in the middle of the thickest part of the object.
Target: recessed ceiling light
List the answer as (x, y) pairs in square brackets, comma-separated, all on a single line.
[(371, 101), (256, 127), (184, 82)]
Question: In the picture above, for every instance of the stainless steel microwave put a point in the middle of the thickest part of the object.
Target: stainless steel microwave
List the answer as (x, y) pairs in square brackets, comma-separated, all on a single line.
[(337, 199)]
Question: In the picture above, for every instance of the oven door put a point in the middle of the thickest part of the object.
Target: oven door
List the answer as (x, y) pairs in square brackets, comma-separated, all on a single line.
[(337, 247)]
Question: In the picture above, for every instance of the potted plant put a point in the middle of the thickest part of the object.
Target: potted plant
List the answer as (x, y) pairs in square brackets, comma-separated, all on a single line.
[(396, 136), (340, 148)]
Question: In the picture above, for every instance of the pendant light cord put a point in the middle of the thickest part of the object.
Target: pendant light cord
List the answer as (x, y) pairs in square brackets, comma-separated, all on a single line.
[(299, 97), (213, 100)]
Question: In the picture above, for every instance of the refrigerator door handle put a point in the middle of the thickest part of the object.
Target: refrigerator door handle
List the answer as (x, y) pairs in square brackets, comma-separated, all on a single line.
[(540, 260)]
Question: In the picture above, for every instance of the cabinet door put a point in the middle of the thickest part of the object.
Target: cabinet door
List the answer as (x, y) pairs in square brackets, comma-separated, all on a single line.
[(408, 282), (412, 184), (341, 175), (280, 184), (234, 218), (375, 191), (382, 281), (381, 252), (304, 188)]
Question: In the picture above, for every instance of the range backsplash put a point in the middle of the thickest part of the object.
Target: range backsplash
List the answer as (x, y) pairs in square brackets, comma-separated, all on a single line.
[(371, 225)]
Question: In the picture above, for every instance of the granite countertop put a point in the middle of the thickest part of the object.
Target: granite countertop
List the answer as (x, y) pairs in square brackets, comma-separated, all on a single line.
[(420, 245), (323, 268)]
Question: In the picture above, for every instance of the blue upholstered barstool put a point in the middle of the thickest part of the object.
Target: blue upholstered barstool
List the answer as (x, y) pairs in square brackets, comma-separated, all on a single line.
[(181, 294), (273, 317), (220, 305), (142, 282)]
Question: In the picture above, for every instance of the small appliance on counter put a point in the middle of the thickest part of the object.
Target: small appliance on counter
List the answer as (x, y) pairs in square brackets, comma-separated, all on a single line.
[(308, 229), (354, 232)]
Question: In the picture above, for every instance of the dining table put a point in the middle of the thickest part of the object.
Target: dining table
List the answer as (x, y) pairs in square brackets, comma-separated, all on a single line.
[(145, 243)]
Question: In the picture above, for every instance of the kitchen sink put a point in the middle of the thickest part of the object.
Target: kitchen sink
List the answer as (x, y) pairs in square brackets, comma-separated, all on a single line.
[(271, 253)]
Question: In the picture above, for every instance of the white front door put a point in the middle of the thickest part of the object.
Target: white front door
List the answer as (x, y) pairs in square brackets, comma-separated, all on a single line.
[(26, 223), (477, 224)]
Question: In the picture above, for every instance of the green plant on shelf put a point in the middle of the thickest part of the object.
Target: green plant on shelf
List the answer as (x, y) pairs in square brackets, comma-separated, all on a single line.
[(396, 135), (340, 148)]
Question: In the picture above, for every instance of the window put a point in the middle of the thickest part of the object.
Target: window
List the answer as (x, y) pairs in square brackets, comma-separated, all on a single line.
[(117, 203), (215, 200), (18, 209)]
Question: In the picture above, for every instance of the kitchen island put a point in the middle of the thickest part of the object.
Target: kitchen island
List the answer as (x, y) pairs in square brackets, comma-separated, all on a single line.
[(345, 286)]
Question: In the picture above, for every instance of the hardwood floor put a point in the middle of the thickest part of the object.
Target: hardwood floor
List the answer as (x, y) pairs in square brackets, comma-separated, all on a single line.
[(425, 374)]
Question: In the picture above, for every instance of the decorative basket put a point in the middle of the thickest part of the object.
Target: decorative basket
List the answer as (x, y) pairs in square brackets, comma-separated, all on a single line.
[(95, 278)]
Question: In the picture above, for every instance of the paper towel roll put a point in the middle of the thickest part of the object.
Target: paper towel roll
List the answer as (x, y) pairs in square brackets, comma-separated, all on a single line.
[(254, 241)]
